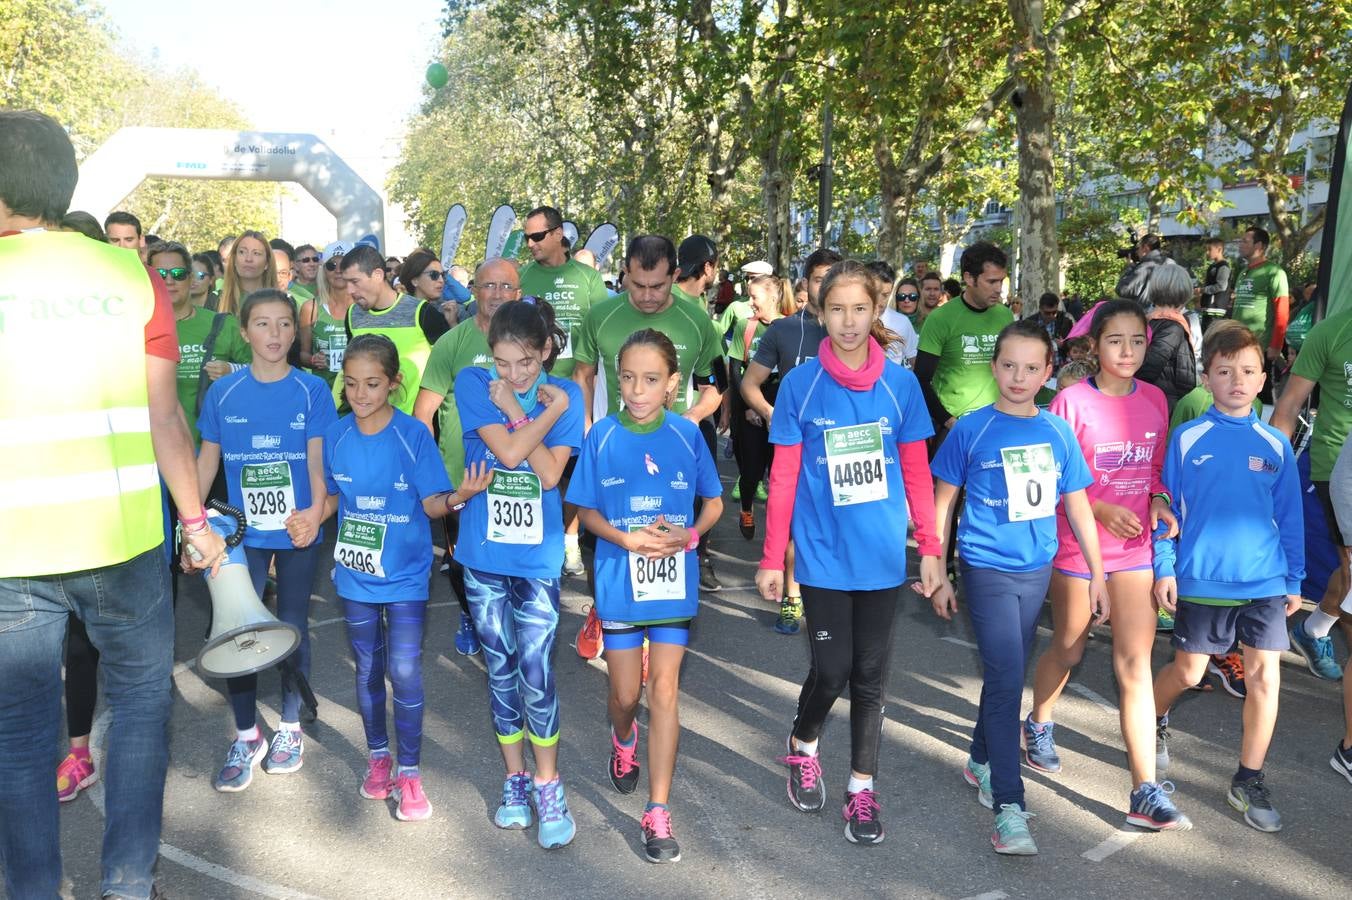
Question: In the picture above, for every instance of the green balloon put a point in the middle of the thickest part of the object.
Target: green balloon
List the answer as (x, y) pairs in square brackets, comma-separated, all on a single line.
[(437, 76)]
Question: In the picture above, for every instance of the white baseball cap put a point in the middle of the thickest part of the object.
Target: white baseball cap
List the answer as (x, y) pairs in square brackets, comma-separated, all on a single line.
[(337, 248), (758, 267)]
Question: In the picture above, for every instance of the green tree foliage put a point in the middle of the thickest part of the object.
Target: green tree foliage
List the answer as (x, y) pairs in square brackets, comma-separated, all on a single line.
[(62, 57)]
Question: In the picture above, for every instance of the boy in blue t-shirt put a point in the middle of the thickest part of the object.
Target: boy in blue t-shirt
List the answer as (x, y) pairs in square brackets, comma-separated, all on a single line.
[(1238, 562)]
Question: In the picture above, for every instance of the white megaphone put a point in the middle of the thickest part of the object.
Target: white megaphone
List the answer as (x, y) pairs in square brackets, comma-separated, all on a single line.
[(245, 637)]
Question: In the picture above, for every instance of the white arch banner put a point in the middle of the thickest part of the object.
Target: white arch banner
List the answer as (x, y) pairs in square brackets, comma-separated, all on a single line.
[(134, 154)]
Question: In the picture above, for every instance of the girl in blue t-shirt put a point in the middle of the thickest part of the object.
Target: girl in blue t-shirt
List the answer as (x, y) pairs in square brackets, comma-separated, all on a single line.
[(524, 425), (385, 478), (850, 471), (1016, 461), (637, 478), (266, 423)]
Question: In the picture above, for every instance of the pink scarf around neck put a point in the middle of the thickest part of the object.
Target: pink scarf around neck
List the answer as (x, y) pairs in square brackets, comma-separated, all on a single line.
[(861, 379)]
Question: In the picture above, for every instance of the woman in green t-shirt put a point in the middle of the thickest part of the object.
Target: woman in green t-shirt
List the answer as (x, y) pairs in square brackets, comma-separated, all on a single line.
[(323, 332)]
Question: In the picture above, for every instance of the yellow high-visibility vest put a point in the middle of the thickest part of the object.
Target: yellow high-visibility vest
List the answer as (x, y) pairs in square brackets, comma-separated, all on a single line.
[(78, 484)]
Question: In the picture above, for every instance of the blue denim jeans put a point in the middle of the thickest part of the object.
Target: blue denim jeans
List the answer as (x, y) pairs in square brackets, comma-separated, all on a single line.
[(126, 610)]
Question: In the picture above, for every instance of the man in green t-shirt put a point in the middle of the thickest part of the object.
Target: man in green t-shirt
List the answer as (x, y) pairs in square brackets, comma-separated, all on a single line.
[(570, 286), (958, 341), (649, 302), (305, 273), (1326, 360), (697, 270), (1262, 295)]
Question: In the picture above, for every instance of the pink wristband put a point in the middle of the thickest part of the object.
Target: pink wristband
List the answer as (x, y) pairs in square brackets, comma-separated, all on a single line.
[(513, 426), (694, 541)]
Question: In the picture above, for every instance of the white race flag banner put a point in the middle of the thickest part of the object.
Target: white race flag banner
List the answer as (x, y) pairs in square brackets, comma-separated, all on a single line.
[(602, 243), (504, 217), (450, 235)]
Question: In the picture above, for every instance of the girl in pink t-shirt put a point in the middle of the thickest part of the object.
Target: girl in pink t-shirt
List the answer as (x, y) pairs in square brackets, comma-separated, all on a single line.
[(1122, 425)]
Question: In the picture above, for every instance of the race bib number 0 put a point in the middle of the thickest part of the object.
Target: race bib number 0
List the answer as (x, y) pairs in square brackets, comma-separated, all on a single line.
[(854, 461), (515, 511), (268, 495), (360, 546), (1030, 478), (656, 579)]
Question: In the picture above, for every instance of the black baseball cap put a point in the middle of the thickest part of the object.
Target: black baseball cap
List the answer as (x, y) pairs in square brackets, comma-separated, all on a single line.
[(693, 253)]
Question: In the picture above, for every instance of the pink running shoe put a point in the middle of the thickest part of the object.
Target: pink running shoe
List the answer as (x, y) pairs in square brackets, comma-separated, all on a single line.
[(413, 803), (378, 782), (74, 775)]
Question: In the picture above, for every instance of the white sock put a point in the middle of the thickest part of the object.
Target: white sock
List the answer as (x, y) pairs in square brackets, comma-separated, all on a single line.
[(569, 541), (858, 784), (807, 748), (249, 736), (1319, 623), (289, 726), (539, 783), (380, 754)]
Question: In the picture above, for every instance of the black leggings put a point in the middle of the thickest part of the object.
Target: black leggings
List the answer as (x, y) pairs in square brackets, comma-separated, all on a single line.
[(850, 633), (451, 525), (751, 445), (82, 679)]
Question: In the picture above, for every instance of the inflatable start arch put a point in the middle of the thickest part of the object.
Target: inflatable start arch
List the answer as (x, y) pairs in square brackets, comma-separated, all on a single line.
[(134, 154)]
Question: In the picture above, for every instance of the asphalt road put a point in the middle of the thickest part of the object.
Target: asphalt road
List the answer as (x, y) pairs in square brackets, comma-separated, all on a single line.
[(311, 835)]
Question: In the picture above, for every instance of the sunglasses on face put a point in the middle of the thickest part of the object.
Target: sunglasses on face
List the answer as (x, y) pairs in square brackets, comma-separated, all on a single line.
[(536, 237), (434, 274), (308, 259), (908, 298), (332, 265), (178, 273), (200, 276)]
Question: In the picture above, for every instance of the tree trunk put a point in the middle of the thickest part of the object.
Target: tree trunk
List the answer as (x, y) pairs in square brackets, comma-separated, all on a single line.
[(1035, 110)]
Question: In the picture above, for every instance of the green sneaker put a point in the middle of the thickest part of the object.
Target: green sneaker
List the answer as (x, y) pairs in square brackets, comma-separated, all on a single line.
[(1011, 836), (737, 490), (1164, 621), (762, 494), (978, 775), (790, 611)]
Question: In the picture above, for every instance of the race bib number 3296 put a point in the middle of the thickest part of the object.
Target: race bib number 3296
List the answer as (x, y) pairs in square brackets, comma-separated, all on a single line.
[(360, 546)]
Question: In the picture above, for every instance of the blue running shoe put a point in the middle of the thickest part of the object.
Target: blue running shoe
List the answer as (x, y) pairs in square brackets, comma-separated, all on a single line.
[(466, 641), (285, 753), (1151, 808), (237, 772), (556, 823), (1318, 653), (515, 809), (978, 775), (1011, 836), (1039, 746)]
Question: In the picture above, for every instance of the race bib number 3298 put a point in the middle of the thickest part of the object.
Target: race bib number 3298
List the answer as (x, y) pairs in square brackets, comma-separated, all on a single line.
[(268, 495)]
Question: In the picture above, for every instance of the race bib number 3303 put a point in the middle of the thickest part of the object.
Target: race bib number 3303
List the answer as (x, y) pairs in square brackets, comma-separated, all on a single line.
[(515, 510), (854, 462)]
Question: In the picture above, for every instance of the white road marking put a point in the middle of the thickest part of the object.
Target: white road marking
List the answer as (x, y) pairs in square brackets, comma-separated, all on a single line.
[(989, 895), (1118, 840), (959, 641), (1092, 696)]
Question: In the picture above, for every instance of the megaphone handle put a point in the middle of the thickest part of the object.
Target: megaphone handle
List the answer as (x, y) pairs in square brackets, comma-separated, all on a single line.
[(292, 677)]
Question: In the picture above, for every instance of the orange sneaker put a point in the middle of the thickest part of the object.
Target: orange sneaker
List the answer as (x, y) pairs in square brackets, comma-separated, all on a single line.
[(589, 640)]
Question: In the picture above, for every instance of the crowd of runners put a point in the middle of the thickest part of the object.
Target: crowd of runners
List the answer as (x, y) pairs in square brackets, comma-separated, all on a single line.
[(541, 424)]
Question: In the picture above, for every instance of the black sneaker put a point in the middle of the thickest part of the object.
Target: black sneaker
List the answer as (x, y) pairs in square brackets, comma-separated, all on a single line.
[(862, 825), (624, 763), (659, 844), (805, 780), (1342, 761), (708, 580), (1230, 669)]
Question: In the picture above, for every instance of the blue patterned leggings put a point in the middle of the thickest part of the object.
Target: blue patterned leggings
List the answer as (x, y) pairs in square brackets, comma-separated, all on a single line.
[(516, 620), (389, 636)]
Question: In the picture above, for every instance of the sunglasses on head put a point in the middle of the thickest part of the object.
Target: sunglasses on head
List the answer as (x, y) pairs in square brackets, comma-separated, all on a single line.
[(308, 259), (178, 273), (332, 265), (908, 298), (536, 237)]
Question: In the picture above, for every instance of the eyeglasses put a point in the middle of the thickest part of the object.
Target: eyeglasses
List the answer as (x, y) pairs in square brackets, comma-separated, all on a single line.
[(332, 265), (200, 276), (908, 298), (178, 273), (308, 259), (499, 287), (434, 274), (536, 237)]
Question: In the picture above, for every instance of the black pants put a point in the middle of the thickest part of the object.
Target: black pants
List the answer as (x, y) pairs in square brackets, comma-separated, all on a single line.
[(82, 679), (751, 446), (451, 526), (850, 633), (710, 432)]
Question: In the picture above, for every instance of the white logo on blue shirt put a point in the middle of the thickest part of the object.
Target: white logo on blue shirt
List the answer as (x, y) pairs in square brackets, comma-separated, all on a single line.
[(611, 481), (641, 503), (267, 441), (370, 503), (401, 484), (1201, 459), (236, 420), (299, 423)]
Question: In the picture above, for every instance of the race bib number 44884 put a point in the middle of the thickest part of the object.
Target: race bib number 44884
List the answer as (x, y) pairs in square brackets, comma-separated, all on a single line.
[(854, 463)]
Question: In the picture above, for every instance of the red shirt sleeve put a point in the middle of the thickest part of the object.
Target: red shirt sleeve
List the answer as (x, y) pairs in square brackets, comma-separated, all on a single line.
[(161, 333), (1281, 314), (919, 484), (779, 508)]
